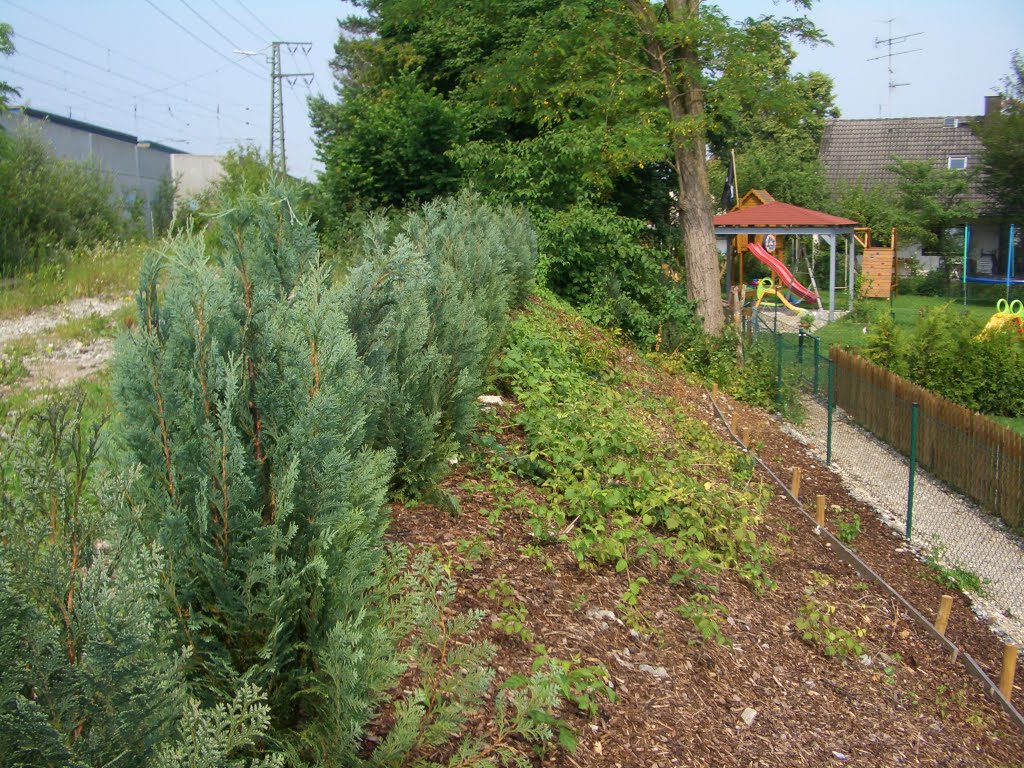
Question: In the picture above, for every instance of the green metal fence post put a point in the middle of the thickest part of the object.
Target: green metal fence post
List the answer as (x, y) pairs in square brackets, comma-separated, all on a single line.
[(817, 359), (831, 408), (778, 371), (800, 346), (913, 469)]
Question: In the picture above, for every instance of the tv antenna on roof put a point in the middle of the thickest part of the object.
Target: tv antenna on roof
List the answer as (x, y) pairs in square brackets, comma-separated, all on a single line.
[(888, 43)]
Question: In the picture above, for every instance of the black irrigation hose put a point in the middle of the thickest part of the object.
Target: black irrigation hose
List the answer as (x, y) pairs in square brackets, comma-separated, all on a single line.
[(865, 572)]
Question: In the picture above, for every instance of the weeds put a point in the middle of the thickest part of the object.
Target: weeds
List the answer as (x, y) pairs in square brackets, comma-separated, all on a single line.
[(815, 622), (512, 619), (954, 577), (628, 480), (848, 529)]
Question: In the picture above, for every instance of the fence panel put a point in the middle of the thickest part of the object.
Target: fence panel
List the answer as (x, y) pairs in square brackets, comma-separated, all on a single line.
[(969, 452)]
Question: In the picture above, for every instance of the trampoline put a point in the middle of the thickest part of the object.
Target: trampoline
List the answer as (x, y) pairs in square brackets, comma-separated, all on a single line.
[(993, 262)]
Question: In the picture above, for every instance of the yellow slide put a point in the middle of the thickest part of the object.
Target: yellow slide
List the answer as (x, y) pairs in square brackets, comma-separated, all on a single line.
[(782, 299)]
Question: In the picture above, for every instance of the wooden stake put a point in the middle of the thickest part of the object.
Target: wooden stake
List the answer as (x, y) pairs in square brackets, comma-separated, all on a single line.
[(794, 487), (735, 423), (745, 437), (945, 606), (714, 390), (1009, 667), (821, 510)]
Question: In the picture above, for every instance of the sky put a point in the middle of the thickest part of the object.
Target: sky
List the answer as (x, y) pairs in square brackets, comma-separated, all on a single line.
[(194, 74)]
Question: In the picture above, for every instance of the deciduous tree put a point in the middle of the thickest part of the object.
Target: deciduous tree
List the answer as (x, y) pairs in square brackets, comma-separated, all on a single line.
[(1002, 133), (565, 104)]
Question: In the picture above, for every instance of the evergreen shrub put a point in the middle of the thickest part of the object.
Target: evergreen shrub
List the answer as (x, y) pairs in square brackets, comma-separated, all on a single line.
[(87, 675), (244, 404), (427, 302), (950, 356)]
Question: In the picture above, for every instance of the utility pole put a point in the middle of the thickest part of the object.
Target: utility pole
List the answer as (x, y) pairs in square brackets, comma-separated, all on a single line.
[(888, 43), (277, 156)]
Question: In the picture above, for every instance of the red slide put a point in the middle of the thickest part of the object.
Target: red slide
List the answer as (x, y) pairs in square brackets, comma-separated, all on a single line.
[(785, 276)]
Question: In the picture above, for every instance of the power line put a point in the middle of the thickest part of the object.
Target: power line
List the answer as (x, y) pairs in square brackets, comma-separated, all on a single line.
[(196, 37), (238, 21), (135, 97), (108, 49), (83, 97), (273, 34), (126, 78), (221, 35)]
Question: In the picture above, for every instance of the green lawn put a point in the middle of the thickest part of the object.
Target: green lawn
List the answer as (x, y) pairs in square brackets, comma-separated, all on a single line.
[(906, 310), (1017, 425)]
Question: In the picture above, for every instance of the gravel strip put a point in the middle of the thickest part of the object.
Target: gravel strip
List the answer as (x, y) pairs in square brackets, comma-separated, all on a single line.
[(50, 317), (964, 535)]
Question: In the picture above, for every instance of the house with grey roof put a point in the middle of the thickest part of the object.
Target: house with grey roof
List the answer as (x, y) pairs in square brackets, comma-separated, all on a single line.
[(861, 151)]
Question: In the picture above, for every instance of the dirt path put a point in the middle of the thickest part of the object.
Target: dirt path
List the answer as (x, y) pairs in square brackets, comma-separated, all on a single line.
[(50, 317), (63, 365)]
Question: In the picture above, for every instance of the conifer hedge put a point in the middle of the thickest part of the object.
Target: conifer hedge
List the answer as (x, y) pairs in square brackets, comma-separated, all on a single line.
[(229, 598), (427, 302)]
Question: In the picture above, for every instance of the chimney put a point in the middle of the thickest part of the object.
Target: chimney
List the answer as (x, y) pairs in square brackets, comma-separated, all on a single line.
[(993, 105)]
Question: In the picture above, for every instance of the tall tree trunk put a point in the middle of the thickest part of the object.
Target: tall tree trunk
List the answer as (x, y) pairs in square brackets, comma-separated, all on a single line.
[(677, 68)]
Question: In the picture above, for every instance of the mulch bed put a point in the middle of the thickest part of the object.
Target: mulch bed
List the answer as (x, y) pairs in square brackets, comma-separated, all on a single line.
[(682, 701)]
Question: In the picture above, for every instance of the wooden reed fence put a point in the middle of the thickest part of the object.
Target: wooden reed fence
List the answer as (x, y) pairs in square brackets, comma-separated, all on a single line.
[(969, 452)]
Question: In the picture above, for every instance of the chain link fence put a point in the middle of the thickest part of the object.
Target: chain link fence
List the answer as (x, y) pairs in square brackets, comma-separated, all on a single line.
[(889, 449)]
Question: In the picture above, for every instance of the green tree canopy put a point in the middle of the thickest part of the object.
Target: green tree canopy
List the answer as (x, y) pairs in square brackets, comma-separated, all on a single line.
[(1002, 133), (933, 199), (564, 104), (6, 49)]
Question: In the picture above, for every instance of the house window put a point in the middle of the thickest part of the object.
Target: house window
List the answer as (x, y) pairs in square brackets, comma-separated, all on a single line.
[(957, 163), (951, 122)]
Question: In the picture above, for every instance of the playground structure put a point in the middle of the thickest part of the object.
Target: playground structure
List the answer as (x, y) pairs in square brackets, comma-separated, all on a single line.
[(761, 227), (878, 269), (785, 276), (1007, 314)]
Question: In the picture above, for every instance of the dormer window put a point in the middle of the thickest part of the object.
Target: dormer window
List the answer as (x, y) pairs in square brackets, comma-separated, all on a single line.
[(957, 162), (951, 122)]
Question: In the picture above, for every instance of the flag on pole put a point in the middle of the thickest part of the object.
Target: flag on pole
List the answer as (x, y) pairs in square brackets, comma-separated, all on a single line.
[(729, 196)]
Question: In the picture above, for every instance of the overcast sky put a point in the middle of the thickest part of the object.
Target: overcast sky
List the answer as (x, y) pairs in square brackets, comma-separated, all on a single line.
[(166, 70)]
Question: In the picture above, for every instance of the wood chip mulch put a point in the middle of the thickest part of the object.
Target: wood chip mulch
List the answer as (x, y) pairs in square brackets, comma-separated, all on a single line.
[(766, 698)]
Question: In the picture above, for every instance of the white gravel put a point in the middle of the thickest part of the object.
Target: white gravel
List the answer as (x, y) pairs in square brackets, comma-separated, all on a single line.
[(64, 365), (50, 317), (966, 536)]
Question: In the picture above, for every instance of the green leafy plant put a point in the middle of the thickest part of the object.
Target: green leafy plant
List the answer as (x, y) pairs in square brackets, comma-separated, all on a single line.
[(816, 625), (12, 369), (49, 206), (514, 615), (706, 614), (538, 553), (582, 686), (454, 681), (472, 551), (955, 577), (613, 491), (848, 529)]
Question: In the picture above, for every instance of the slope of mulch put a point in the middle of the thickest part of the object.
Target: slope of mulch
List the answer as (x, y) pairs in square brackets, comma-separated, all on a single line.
[(763, 699), (878, 545)]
